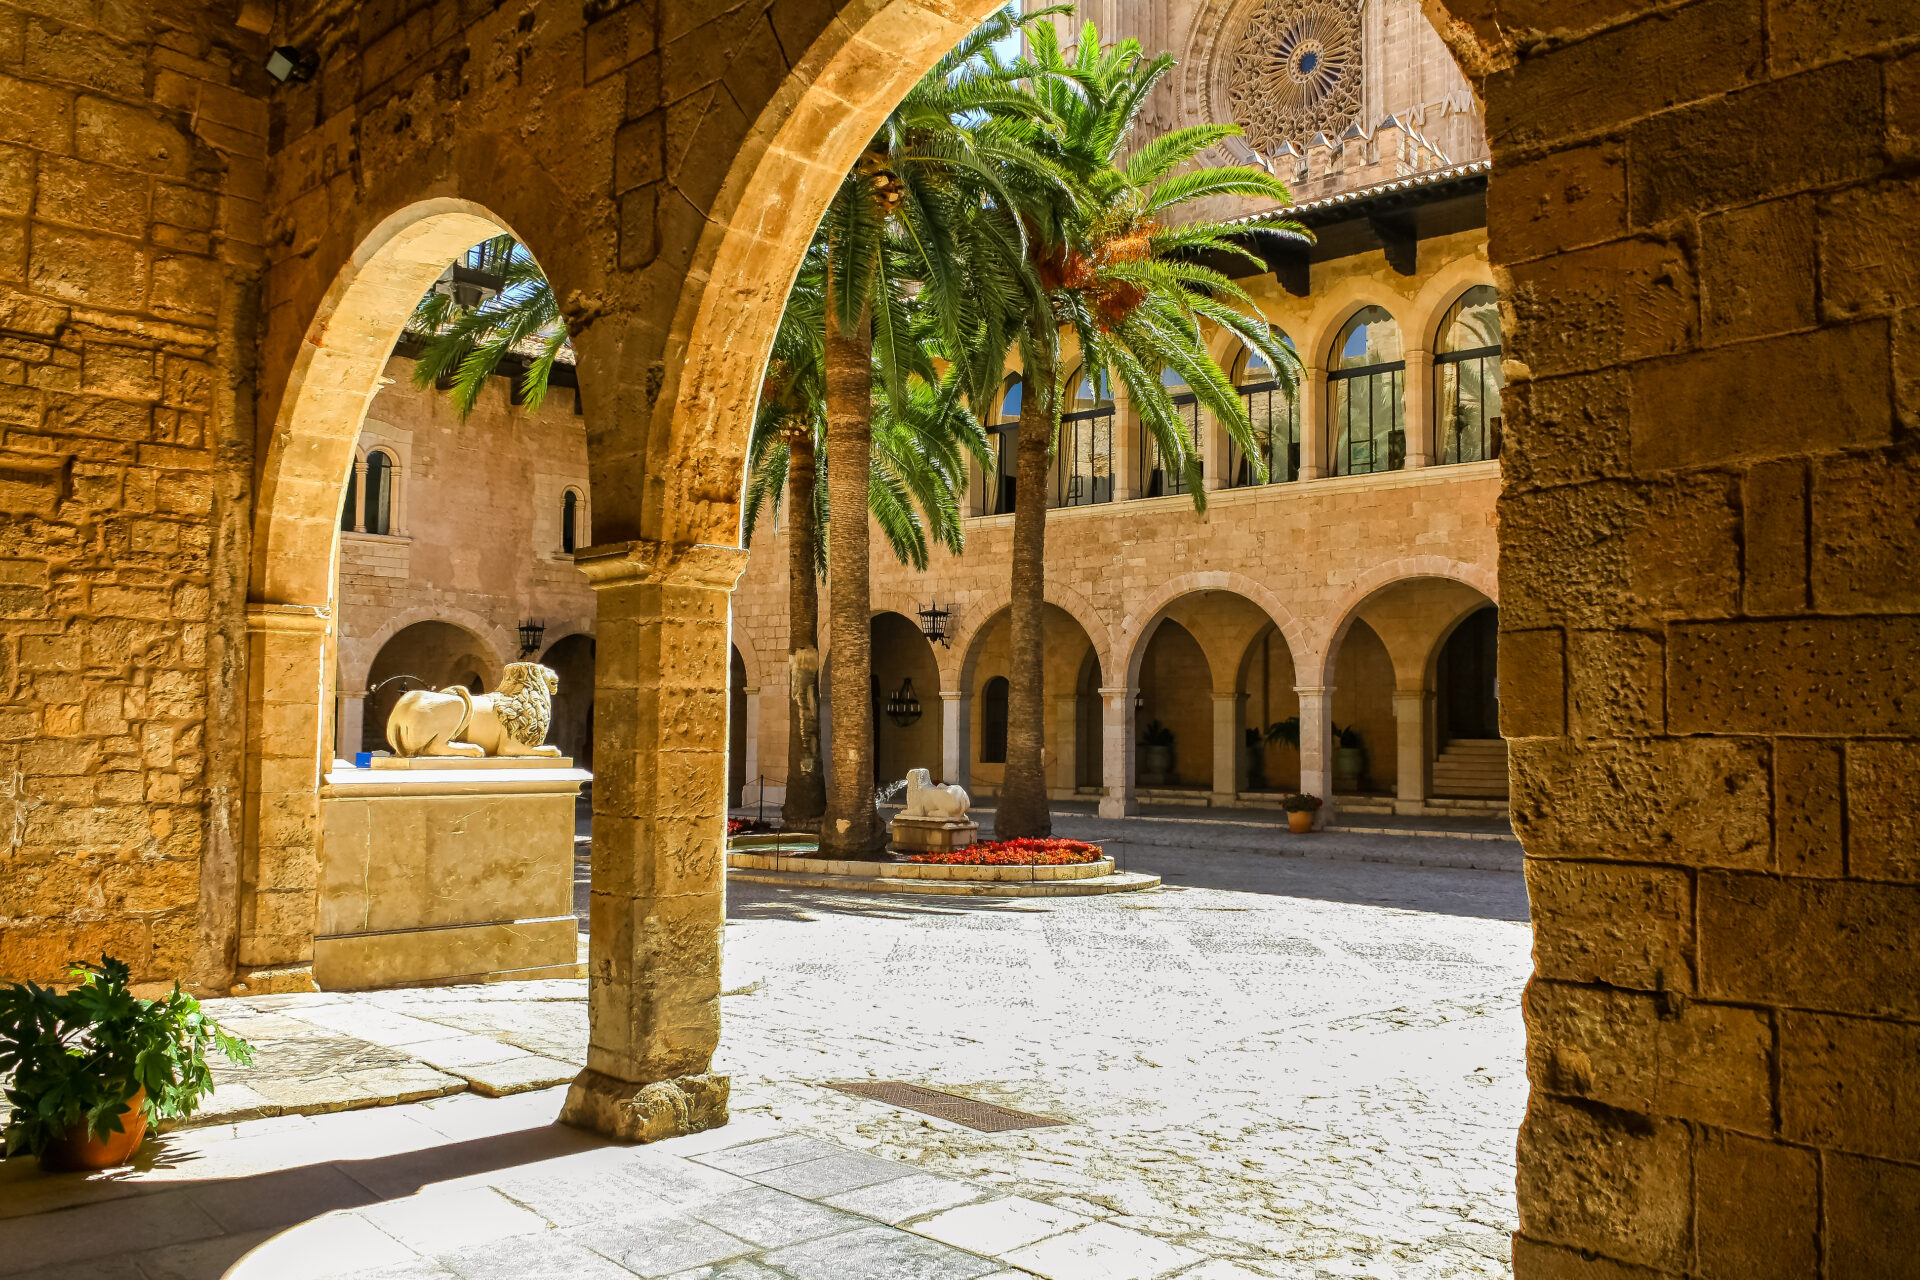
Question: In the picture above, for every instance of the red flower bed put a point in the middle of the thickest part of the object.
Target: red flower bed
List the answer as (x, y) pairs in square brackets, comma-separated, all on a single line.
[(1015, 853)]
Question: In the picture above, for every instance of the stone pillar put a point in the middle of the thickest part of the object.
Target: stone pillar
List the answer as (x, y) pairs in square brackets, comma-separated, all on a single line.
[(1226, 748), (287, 751), (750, 761), (659, 797), (1316, 745), (1066, 740), (1116, 752), (1313, 421), (349, 721), (956, 737), (357, 518), (1213, 465), (1126, 446), (1410, 732), (1419, 422)]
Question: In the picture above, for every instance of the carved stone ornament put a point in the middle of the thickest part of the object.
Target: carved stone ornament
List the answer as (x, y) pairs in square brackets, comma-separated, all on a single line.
[(1296, 72)]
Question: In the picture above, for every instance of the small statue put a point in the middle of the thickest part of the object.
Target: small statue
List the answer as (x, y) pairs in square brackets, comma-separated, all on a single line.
[(924, 800), (453, 722)]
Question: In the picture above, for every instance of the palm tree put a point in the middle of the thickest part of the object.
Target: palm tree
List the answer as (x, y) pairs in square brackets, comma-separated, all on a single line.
[(1129, 285), (915, 480), (922, 215), (465, 345)]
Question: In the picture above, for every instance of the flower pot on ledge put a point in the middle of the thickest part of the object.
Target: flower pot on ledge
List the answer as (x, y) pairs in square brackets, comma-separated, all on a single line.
[(1300, 822)]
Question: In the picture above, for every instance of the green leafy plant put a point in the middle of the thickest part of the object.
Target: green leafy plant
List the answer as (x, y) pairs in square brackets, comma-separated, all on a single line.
[(1301, 804), (79, 1056), (1285, 731), (1156, 735)]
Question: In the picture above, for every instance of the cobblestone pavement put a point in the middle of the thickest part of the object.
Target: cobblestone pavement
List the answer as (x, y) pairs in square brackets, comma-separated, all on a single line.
[(1297, 1066)]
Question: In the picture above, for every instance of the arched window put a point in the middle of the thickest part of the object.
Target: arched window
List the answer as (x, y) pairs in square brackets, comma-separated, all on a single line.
[(569, 520), (1083, 458), (1160, 476), (1276, 422), (995, 497), (347, 508), (1366, 402), (379, 510), (1467, 376), (993, 722)]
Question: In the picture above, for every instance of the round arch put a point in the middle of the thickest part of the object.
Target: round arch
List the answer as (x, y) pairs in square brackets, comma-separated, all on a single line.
[(1477, 577), (357, 654), (984, 609), (1137, 628), (1440, 292)]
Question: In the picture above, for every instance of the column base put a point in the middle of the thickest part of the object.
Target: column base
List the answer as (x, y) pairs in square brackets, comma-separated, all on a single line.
[(274, 982), (646, 1112), (1116, 806), (1410, 808)]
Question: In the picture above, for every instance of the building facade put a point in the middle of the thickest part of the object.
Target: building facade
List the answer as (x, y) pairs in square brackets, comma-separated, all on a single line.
[(1328, 627)]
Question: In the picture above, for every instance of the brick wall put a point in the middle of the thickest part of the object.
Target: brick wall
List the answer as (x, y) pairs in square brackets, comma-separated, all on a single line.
[(131, 175), (1708, 534)]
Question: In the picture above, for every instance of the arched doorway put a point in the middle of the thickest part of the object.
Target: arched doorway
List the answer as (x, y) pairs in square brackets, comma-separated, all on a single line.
[(1087, 731), (736, 725), (1270, 711), (984, 678), (1175, 715), (571, 659), (906, 719), (426, 655), (1471, 761)]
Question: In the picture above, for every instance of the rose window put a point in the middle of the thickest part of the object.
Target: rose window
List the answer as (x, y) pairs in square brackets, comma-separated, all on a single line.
[(1296, 72)]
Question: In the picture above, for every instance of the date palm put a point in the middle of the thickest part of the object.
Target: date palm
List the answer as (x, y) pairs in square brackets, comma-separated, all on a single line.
[(465, 345), (915, 479), (925, 215), (1127, 283)]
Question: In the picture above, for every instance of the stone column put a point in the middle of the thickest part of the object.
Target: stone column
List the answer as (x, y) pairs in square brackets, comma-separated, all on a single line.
[(1313, 421), (956, 737), (1410, 733), (358, 516), (1126, 446), (659, 797), (1116, 752), (1316, 746), (1226, 748), (750, 762), (1066, 742), (287, 752), (349, 721), (1213, 465), (1419, 421)]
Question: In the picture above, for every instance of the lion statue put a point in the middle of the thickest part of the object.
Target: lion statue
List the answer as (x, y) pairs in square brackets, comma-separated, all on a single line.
[(924, 800), (511, 721)]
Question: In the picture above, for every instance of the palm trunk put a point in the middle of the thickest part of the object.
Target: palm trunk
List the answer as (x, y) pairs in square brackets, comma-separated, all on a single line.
[(850, 827), (806, 784), (1023, 793)]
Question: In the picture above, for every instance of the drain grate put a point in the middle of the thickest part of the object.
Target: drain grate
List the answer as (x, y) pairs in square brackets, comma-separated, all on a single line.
[(983, 1116)]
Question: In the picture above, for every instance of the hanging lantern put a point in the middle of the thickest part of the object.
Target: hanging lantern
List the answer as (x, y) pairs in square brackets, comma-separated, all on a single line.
[(903, 708), (933, 623), (530, 633)]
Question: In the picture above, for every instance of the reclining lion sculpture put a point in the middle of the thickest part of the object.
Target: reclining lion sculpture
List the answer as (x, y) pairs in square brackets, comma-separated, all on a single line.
[(511, 721)]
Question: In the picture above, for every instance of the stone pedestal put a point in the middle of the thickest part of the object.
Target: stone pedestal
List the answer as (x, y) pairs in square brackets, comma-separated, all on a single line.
[(933, 835), (443, 869)]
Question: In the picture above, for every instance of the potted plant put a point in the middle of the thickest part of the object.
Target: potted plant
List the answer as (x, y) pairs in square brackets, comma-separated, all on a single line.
[(1349, 759), (88, 1068), (1300, 810), (1156, 754)]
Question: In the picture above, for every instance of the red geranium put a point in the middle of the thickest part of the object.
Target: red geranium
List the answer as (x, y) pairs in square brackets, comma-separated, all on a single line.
[(1025, 852)]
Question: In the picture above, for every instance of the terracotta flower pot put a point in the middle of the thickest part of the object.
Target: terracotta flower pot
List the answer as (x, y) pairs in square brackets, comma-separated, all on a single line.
[(1300, 821), (80, 1150)]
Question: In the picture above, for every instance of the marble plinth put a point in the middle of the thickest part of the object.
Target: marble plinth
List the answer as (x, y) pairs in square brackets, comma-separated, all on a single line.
[(933, 835), (441, 869)]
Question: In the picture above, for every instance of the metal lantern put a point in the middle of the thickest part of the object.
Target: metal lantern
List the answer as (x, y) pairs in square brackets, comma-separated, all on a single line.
[(903, 708), (530, 633), (933, 623)]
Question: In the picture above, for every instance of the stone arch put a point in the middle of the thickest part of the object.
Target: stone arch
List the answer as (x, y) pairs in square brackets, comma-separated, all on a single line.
[(357, 655), (1321, 657), (985, 608), (1134, 629), (1346, 299), (1440, 292)]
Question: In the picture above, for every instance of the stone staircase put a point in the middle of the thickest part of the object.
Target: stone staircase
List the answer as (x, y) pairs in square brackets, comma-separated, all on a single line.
[(1472, 767)]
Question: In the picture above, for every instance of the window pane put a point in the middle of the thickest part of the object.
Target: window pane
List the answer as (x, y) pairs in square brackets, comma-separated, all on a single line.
[(1371, 337)]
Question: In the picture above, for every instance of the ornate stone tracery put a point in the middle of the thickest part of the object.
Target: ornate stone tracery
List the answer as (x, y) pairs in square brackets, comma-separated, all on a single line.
[(1295, 71)]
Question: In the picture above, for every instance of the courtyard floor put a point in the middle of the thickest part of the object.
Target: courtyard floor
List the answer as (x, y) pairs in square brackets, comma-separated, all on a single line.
[(1274, 1066)]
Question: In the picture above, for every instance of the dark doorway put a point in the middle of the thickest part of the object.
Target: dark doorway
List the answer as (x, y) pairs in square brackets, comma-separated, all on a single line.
[(1469, 692)]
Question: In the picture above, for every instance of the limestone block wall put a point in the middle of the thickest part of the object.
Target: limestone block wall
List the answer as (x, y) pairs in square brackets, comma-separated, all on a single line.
[(132, 148), (1708, 545)]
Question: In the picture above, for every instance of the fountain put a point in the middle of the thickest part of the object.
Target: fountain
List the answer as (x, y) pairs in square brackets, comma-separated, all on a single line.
[(935, 819)]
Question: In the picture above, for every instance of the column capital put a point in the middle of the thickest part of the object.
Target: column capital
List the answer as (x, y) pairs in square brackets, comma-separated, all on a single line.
[(1313, 688), (954, 695), (644, 562), (1115, 691)]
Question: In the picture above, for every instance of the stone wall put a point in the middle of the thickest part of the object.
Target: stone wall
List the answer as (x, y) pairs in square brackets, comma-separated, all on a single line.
[(1709, 536), (131, 179)]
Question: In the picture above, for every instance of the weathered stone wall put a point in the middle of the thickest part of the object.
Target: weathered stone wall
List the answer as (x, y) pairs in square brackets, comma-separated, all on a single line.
[(1709, 536), (132, 145)]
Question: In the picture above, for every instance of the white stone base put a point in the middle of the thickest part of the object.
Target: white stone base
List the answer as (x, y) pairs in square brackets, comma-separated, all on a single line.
[(933, 835)]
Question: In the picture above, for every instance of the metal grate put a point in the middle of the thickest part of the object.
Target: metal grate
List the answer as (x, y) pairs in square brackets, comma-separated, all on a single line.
[(983, 1116)]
